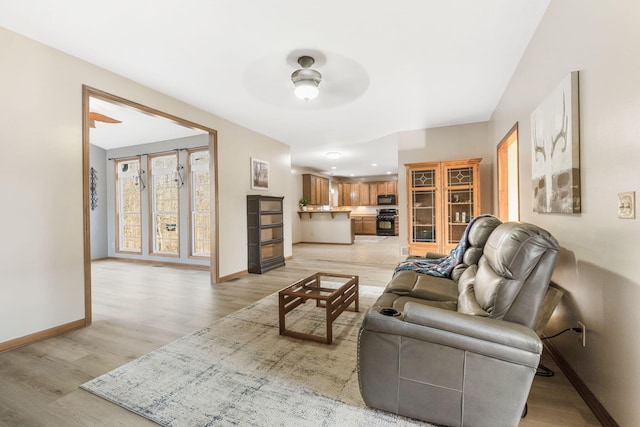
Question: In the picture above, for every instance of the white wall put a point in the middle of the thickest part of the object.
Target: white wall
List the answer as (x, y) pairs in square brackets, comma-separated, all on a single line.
[(99, 245), (598, 265), (439, 144), (42, 269)]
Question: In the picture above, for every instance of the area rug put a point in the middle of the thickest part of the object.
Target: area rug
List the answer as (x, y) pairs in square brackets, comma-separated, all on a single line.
[(240, 371)]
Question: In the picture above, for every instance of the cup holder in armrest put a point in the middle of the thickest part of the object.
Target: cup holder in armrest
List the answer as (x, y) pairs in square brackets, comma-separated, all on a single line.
[(388, 311)]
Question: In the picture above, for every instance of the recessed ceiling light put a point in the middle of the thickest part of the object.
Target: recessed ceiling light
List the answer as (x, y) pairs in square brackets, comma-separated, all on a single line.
[(374, 164), (388, 172), (333, 155), (333, 167), (353, 174)]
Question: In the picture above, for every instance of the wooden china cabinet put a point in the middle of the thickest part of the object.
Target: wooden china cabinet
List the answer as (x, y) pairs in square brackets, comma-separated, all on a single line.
[(442, 198)]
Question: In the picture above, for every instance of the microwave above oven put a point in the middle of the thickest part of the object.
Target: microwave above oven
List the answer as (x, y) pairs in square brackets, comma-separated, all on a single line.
[(386, 199)]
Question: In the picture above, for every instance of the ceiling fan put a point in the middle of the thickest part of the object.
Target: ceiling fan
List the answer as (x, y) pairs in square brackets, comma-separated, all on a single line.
[(97, 117)]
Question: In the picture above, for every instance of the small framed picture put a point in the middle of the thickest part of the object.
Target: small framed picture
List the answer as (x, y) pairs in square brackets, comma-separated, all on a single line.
[(627, 205), (259, 174)]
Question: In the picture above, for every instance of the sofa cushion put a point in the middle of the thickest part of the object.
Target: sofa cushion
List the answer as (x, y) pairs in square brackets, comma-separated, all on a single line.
[(480, 232), (389, 300), (505, 250), (478, 235), (511, 253), (410, 283), (467, 301)]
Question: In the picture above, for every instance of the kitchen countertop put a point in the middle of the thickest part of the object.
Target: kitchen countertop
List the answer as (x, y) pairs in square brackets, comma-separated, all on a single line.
[(320, 211)]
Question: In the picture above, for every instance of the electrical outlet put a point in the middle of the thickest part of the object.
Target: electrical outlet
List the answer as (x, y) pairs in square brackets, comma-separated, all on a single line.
[(583, 334)]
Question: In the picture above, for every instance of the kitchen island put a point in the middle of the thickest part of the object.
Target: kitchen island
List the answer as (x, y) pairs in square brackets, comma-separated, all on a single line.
[(327, 226)]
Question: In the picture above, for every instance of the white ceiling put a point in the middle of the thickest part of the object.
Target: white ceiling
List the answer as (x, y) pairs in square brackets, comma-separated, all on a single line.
[(136, 127), (386, 66)]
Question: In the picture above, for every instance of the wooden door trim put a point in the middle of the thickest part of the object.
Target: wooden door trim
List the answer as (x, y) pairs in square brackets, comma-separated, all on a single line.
[(90, 92), (502, 153)]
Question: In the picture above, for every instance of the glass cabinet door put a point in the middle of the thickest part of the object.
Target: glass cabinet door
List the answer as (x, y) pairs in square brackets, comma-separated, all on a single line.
[(442, 198), (460, 201), (424, 232), (424, 206)]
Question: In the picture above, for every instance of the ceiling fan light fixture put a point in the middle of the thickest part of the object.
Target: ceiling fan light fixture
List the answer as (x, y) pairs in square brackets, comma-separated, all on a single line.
[(306, 90), (306, 80)]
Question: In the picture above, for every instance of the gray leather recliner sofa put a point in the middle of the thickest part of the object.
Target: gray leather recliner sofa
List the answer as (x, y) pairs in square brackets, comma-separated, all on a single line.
[(461, 352)]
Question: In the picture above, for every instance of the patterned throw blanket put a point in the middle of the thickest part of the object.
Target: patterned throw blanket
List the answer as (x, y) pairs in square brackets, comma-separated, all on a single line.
[(440, 267)]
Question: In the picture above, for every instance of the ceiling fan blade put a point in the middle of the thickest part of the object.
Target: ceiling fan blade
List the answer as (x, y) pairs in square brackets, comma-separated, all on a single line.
[(102, 118)]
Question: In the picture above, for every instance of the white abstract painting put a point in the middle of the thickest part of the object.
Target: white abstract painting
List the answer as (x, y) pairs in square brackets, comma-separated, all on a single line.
[(555, 141)]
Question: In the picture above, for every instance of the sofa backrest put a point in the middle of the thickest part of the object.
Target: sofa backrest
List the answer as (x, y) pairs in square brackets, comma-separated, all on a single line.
[(511, 278), (478, 235)]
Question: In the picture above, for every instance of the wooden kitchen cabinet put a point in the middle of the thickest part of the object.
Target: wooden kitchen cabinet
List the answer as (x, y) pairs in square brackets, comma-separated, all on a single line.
[(364, 224), (373, 193), (357, 224), (369, 225), (387, 187), (344, 194), (364, 193), (354, 195), (316, 189), (442, 198), (363, 190)]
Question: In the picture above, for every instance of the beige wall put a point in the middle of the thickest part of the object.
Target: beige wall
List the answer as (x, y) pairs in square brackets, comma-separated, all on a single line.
[(598, 265), (444, 143), (41, 267)]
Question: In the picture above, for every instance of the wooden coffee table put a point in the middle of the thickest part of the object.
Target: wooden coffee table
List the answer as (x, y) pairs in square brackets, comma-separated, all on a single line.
[(322, 288)]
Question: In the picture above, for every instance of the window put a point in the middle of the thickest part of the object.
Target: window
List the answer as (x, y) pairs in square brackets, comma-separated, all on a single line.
[(129, 185), (200, 198), (165, 182)]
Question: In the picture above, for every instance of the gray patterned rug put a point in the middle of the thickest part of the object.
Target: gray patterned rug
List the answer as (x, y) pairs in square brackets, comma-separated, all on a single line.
[(240, 371)]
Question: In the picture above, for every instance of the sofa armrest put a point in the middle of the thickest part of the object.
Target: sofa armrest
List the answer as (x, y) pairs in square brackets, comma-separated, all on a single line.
[(484, 328), (493, 338), (428, 255), (435, 255)]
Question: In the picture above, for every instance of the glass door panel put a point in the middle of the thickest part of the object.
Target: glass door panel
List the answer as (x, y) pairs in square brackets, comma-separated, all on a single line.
[(424, 216), (460, 201)]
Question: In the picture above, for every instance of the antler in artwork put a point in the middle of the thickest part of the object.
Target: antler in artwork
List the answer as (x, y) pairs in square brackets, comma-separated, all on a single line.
[(538, 149), (562, 133)]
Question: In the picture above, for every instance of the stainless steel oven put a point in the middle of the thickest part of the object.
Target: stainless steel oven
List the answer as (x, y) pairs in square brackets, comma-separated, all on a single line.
[(386, 222)]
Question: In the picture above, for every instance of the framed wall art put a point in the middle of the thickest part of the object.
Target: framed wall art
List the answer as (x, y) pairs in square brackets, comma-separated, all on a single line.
[(555, 142), (259, 174)]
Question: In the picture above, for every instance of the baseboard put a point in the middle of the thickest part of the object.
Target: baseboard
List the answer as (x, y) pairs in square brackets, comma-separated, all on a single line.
[(232, 276), (589, 398), (328, 243), (39, 336), (153, 262)]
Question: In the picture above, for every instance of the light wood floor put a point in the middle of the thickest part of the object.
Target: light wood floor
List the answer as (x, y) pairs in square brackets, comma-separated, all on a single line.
[(138, 308)]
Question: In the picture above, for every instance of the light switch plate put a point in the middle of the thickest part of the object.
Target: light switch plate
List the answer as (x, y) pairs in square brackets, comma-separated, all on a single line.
[(627, 205)]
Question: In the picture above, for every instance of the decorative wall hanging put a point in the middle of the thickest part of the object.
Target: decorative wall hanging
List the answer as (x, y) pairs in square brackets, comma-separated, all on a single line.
[(555, 142), (93, 188), (259, 174)]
